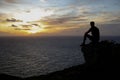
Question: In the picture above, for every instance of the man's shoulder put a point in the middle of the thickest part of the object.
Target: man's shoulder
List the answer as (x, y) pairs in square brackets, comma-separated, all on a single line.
[(96, 27)]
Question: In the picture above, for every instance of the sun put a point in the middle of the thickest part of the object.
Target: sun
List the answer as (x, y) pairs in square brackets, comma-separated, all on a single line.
[(35, 29)]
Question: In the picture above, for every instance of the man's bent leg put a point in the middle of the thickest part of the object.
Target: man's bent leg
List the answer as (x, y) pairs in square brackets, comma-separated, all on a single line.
[(90, 38), (85, 36)]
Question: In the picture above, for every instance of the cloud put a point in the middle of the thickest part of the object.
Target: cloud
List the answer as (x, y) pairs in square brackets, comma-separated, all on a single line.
[(13, 20), (11, 1), (63, 20), (13, 25), (117, 20), (3, 15), (7, 6), (2, 3), (25, 27), (43, 1), (22, 29), (15, 4), (17, 1), (36, 25), (21, 26)]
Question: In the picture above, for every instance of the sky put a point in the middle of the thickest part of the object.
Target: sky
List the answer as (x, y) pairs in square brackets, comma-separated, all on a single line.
[(58, 17)]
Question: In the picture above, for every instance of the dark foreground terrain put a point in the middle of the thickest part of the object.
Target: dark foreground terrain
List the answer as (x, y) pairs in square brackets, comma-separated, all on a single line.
[(102, 59)]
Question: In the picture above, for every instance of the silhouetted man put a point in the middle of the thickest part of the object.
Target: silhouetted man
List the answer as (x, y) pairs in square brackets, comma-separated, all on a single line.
[(95, 35)]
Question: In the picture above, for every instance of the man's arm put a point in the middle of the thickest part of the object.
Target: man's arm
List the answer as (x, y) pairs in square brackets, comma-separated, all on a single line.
[(88, 31)]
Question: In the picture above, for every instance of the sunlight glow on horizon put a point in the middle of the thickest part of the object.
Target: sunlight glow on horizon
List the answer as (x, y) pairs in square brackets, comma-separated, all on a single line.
[(35, 29)]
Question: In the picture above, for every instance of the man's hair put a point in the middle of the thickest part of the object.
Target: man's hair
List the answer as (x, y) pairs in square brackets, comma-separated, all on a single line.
[(92, 23)]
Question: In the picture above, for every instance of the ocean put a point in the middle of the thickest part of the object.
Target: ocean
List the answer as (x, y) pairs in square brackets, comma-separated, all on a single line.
[(33, 56)]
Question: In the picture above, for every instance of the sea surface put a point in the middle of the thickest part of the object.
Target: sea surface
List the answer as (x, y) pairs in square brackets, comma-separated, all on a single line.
[(33, 56)]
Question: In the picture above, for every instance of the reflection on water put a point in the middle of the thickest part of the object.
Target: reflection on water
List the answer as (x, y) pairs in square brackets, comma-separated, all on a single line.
[(36, 56)]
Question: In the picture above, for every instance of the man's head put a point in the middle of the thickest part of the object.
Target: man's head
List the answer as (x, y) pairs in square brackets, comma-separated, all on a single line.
[(92, 23)]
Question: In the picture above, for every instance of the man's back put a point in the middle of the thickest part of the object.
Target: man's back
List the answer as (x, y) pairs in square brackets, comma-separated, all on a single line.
[(95, 33)]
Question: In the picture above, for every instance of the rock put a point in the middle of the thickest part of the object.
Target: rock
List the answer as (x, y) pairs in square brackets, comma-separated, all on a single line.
[(103, 55)]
